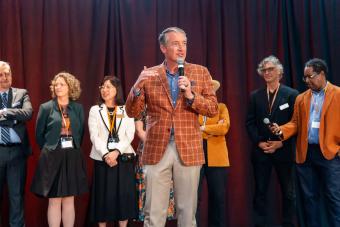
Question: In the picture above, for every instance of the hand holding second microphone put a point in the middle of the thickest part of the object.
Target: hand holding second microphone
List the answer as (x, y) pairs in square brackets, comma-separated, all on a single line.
[(274, 128)]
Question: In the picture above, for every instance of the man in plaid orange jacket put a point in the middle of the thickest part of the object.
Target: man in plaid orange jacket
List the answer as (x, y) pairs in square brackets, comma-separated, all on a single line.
[(173, 146)]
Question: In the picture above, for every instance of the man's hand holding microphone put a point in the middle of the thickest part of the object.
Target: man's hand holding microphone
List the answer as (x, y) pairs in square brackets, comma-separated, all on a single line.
[(271, 146)]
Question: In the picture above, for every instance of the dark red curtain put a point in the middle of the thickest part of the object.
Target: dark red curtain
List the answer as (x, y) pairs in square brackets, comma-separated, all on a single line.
[(91, 38)]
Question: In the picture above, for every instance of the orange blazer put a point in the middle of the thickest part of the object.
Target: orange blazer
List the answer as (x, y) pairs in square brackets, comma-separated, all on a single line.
[(329, 131), (162, 115), (214, 132)]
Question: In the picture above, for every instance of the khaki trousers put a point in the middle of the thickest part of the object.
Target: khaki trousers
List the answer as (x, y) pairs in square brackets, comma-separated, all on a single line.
[(158, 181)]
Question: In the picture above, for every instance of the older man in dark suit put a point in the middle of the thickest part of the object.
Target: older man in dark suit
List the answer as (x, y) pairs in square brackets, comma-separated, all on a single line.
[(275, 103), (173, 146), (15, 110)]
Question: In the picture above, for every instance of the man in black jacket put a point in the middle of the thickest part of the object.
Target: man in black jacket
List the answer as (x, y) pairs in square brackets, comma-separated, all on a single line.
[(273, 103)]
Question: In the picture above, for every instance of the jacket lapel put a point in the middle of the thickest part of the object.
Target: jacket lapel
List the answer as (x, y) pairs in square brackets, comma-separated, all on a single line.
[(120, 113), (11, 96), (164, 81), (328, 99), (103, 115), (306, 102), (276, 101)]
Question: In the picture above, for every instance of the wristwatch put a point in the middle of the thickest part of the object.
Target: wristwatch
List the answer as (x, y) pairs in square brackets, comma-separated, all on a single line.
[(136, 91)]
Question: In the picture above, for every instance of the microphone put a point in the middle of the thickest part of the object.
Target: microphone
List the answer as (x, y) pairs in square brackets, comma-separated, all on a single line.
[(267, 122), (180, 63)]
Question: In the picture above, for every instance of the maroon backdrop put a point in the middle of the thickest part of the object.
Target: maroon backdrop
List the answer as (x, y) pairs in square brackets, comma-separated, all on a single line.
[(90, 38)]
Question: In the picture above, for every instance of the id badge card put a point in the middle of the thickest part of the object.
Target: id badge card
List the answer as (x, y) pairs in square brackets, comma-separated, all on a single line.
[(66, 142), (315, 124), (112, 143)]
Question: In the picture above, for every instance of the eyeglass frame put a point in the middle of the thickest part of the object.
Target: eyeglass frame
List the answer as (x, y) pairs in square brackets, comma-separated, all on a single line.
[(310, 77), (269, 69), (102, 87)]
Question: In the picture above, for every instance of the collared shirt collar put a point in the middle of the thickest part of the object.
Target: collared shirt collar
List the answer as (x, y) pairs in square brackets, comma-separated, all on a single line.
[(323, 90)]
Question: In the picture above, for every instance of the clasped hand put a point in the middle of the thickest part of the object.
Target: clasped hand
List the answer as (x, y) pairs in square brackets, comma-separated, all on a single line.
[(111, 158), (270, 147)]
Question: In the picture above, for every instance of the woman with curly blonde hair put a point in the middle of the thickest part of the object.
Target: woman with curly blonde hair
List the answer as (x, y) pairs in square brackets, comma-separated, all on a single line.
[(61, 171)]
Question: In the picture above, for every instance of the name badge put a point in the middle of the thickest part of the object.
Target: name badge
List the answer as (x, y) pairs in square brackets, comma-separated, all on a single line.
[(284, 106), (66, 142), (112, 142), (315, 124)]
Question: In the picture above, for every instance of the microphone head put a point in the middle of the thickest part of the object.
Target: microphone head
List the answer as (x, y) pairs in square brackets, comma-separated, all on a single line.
[(180, 62), (266, 121)]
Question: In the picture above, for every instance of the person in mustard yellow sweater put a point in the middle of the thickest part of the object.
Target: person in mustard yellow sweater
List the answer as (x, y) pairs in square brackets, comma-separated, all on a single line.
[(216, 162)]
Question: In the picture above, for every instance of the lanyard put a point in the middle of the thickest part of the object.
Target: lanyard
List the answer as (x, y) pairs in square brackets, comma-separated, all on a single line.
[(66, 123), (270, 104), (112, 119), (204, 120), (111, 129)]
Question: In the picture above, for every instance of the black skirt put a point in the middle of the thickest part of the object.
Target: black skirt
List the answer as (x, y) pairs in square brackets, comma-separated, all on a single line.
[(113, 194), (60, 173)]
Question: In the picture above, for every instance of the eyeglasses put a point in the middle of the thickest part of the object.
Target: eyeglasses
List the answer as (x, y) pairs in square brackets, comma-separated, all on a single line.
[(105, 87), (7, 74), (305, 77), (269, 69)]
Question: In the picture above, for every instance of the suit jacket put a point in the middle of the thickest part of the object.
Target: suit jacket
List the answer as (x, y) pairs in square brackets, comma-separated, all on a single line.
[(48, 125), (214, 132), (282, 111), (329, 136), (162, 115), (99, 133), (19, 110)]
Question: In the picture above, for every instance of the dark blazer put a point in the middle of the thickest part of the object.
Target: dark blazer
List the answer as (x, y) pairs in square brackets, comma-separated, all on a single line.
[(282, 112), (19, 110), (48, 125)]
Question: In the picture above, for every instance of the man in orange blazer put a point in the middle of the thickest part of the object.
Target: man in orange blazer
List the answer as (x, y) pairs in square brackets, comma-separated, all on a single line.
[(173, 145), (316, 121)]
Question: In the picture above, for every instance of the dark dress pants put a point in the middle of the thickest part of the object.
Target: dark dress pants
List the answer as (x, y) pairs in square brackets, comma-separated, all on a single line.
[(262, 166), (216, 178), (318, 172), (13, 172)]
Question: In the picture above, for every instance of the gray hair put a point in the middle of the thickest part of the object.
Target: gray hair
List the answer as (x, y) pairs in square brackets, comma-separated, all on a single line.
[(271, 59), (5, 65), (162, 38)]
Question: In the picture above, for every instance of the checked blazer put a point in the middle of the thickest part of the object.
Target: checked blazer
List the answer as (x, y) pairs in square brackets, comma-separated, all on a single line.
[(162, 115)]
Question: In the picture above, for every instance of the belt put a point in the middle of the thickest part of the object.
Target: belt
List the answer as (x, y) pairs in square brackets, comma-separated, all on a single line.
[(10, 144)]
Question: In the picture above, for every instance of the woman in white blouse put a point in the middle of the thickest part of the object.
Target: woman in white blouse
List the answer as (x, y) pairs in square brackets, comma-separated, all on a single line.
[(113, 196)]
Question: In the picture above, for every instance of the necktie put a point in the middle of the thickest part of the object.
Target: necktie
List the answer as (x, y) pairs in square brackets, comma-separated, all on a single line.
[(5, 137)]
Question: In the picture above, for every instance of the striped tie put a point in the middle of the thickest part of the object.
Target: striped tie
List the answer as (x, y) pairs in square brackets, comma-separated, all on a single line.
[(5, 137)]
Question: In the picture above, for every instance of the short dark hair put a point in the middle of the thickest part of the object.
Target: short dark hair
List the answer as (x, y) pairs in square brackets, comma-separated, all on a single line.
[(115, 81), (318, 65)]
